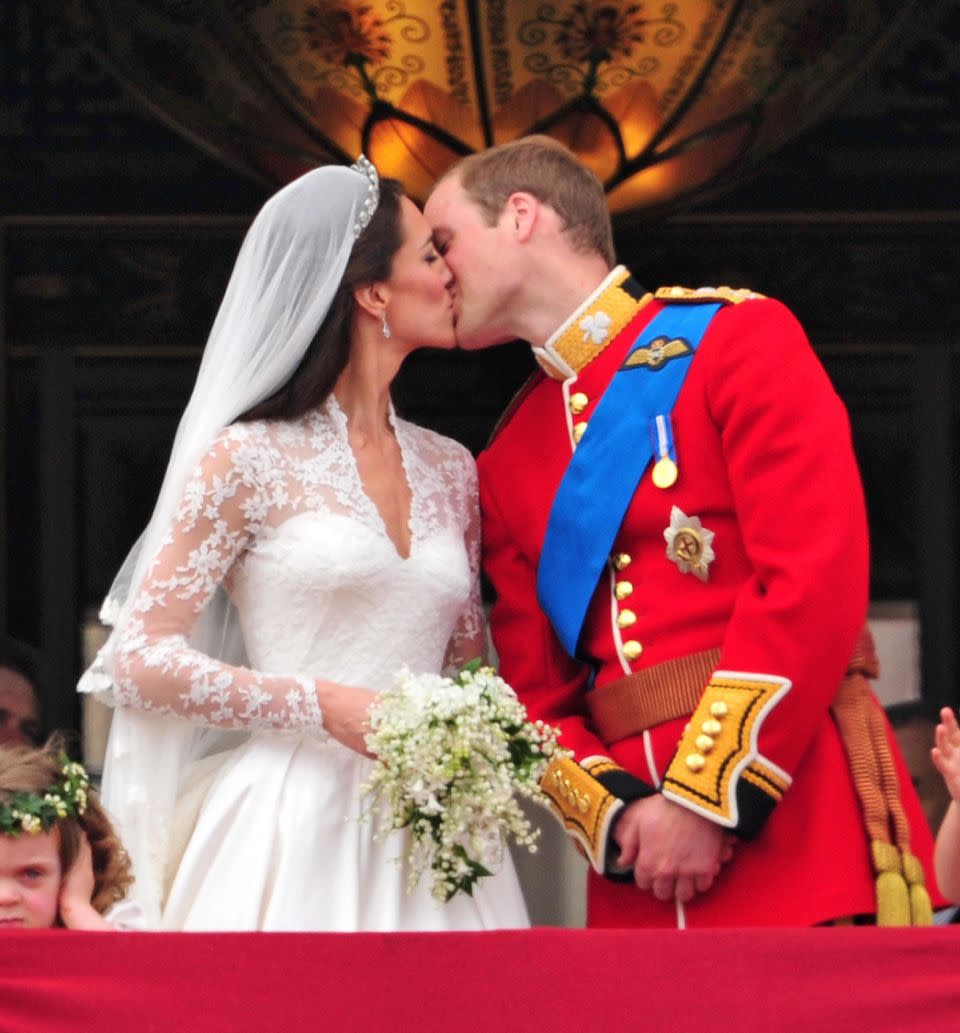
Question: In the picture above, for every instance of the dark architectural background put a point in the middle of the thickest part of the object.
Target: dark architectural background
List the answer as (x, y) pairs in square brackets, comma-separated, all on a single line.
[(117, 236)]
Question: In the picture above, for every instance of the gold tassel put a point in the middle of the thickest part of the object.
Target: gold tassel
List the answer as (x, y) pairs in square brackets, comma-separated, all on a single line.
[(893, 897), (921, 910), (902, 897)]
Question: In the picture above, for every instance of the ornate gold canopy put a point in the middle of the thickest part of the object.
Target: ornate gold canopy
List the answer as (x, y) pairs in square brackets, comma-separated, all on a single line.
[(665, 101)]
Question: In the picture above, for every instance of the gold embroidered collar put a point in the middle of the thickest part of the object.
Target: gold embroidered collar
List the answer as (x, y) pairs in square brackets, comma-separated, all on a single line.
[(591, 327)]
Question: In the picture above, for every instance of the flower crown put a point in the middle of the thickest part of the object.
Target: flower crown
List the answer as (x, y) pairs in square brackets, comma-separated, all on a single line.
[(366, 168), (34, 813)]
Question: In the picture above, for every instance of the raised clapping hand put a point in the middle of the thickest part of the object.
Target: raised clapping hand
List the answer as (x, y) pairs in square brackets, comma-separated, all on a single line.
[(674, 852), (946, 753)]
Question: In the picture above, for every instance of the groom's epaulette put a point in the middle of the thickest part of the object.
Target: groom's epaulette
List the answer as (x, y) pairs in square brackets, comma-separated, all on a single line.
[(529, 384), (699, 295)]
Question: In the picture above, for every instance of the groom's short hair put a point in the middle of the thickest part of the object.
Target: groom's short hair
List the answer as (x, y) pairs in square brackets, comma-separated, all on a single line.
[(545, 168)]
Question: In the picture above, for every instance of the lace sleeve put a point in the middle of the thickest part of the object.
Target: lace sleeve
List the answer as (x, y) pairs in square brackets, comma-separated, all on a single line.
[(469, 640), (155, 667)]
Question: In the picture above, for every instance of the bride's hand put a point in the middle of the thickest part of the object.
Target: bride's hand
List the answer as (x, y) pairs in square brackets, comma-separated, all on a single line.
[(346, 713)]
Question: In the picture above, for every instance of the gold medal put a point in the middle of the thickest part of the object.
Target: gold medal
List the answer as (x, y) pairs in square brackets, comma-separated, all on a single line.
[(664, 472)]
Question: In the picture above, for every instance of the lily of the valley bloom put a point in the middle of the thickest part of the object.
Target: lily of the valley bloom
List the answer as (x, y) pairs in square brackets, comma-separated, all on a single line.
[(452, 755)]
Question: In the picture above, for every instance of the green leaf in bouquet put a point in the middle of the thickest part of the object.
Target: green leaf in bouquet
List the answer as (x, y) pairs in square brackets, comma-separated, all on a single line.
[(466, 882), (470, 668)]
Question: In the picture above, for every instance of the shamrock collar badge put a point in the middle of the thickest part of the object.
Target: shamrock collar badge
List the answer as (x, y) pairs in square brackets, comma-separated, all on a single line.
[(595, 327), (689, 544)]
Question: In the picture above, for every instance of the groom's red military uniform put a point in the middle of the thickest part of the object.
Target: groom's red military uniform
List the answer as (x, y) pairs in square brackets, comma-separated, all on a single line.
[(723, 623)]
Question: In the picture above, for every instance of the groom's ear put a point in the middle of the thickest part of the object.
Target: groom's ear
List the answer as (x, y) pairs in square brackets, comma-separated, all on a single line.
[(372, 298), (522, 210)]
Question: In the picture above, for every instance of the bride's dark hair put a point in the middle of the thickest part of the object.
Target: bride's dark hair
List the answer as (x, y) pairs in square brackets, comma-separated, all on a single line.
[(326, 357)]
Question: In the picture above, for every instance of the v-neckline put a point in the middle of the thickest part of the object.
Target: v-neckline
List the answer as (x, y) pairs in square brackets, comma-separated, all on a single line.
[(342, 422)]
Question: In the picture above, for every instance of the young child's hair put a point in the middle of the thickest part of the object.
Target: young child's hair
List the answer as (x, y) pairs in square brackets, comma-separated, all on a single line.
[(41, 771)]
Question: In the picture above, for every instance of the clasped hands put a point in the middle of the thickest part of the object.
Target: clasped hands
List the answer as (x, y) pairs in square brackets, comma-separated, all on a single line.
[(674, 853)]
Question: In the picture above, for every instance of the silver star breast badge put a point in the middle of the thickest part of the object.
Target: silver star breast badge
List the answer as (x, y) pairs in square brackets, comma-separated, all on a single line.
[(689, 544)]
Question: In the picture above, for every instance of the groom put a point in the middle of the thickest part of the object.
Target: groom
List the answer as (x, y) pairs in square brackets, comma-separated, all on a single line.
[(675, 530)]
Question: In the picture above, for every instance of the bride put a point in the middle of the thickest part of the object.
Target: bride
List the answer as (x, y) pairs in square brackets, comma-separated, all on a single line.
[(305, 545)]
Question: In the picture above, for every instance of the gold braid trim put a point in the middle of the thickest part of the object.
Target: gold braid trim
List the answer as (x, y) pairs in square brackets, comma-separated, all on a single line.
[(719, 746), (582, 804), (728, 295), (597, 766), (902, 897), (576, 346), (760, 776), (651, 696)]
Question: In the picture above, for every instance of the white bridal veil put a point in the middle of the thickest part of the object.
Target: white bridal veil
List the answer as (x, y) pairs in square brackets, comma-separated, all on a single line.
[(286, 274)]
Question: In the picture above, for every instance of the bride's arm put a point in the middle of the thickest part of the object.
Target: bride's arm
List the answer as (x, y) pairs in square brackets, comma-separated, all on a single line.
[(155, 668), (469, 640)]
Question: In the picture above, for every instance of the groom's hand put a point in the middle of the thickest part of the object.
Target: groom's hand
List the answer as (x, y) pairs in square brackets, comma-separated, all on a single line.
[(674, 853)]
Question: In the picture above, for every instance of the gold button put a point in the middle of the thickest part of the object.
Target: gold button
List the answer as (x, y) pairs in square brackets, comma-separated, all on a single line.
[(632, 649), (695, 762), (579, 429), (712, 727), (621, 560), (719, 708), (583, 804), (704, 743), (578, 402), (622, 589), (626, 618)]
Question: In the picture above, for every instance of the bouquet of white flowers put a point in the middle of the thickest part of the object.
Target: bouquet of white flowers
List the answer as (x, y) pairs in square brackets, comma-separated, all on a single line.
[(452, 754)]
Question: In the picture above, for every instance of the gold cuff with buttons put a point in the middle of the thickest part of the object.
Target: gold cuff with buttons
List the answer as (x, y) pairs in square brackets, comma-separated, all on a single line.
[(718, 747), (583, 806)]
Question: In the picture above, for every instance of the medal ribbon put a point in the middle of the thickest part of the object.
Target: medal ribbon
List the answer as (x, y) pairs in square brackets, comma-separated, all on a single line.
[(604, 471), (664, 450)]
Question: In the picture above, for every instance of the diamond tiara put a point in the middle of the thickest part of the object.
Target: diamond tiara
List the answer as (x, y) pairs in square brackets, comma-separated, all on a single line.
[(365, 167)]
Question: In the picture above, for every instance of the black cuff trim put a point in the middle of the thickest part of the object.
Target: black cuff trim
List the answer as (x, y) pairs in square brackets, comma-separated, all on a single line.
[(754, 806), (625, 786)]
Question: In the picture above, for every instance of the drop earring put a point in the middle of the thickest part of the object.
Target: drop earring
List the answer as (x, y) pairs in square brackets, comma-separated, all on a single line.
[(385, 328)]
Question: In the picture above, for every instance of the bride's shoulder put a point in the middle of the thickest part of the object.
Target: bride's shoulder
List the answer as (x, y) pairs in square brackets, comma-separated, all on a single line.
[(236, 438), (242, 432), (266, 433), (240, 446)]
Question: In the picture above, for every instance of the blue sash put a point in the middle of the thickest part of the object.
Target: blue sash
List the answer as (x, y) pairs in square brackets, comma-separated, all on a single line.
[(605, 470)]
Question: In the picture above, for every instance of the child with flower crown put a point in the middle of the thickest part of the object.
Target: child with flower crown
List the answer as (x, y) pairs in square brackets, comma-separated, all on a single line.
[(61, 863)]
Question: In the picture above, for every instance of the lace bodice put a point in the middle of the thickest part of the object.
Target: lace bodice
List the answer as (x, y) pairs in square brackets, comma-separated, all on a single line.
[(277, 515)]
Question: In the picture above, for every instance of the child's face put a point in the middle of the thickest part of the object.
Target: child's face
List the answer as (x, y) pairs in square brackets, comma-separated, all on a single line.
[(29, 880)]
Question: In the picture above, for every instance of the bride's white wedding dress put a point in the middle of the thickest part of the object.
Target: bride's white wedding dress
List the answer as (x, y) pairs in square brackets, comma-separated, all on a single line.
[(268, 832)]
